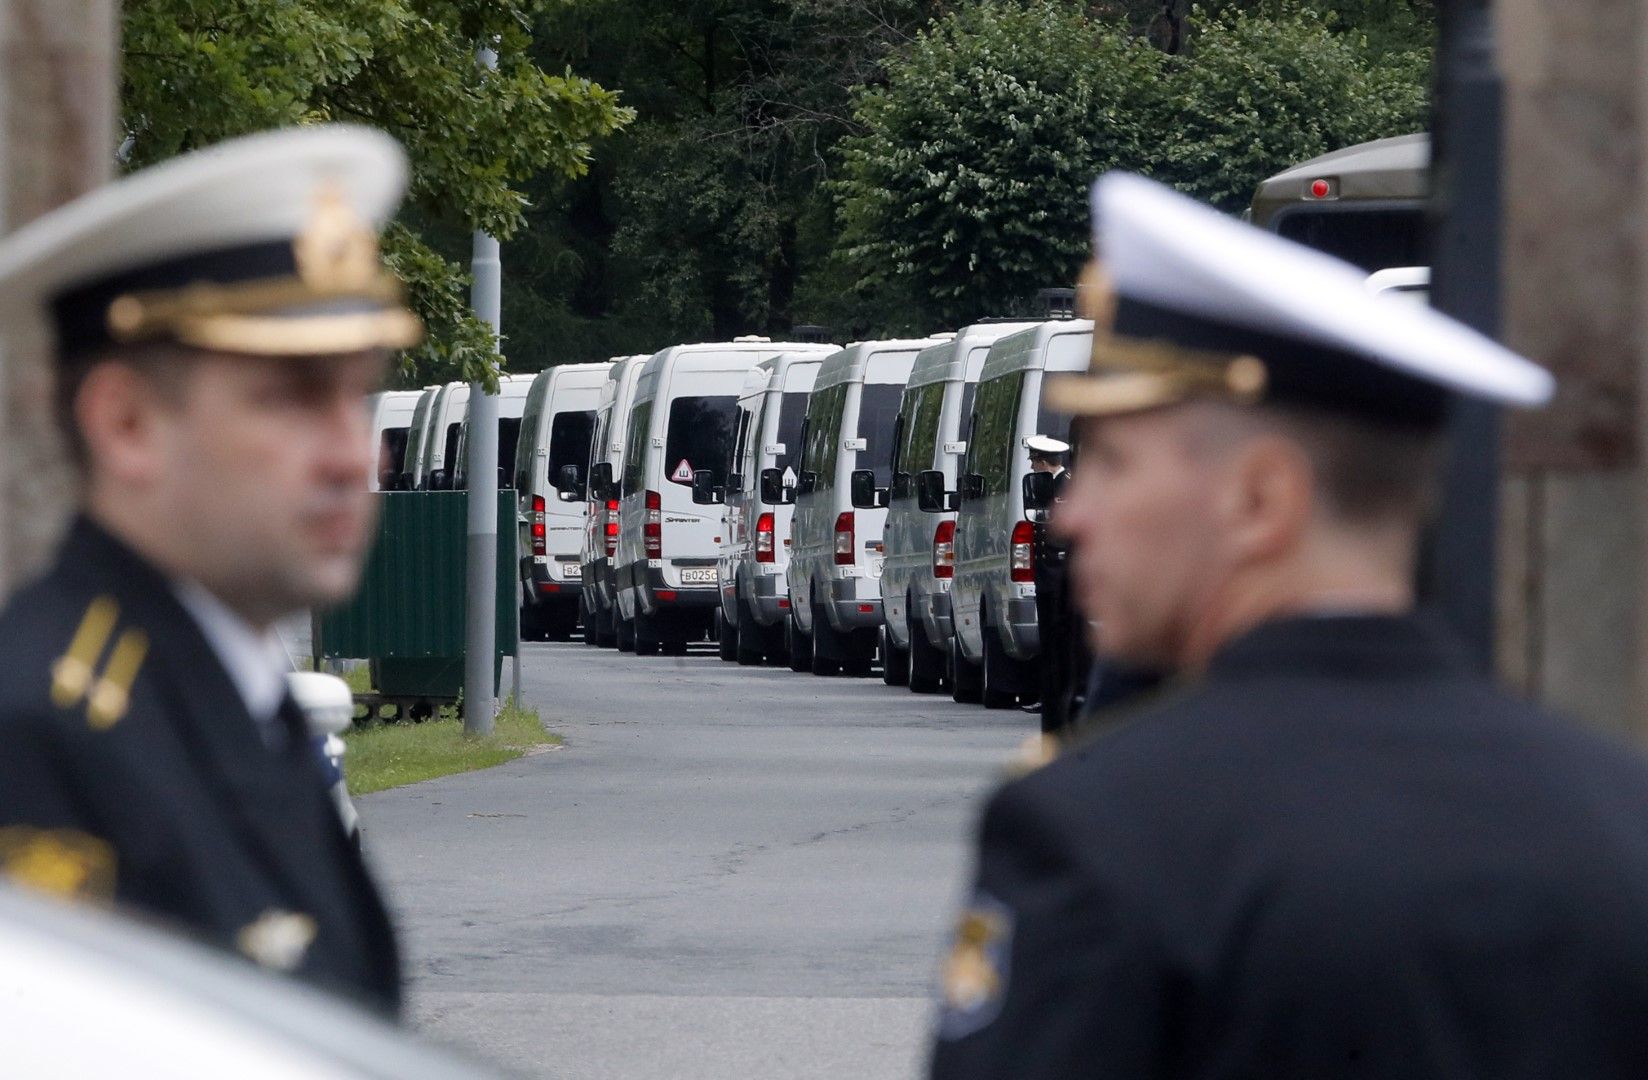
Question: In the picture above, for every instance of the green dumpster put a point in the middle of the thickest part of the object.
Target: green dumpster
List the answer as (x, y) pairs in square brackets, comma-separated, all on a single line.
[(407, 620)]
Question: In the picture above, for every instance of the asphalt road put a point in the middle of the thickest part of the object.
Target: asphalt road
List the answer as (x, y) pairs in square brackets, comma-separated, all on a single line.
[(726, 872)]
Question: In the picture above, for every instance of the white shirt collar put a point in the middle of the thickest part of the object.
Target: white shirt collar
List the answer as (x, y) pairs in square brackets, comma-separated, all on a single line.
[(255, 662)]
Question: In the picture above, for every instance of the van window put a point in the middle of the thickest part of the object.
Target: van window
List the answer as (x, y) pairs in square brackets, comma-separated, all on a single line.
[(877, 414), (700, 436), (824, 435), (792, 410), (570, 434), (509, 437), (923, 406), (635, 448), (414, 437), (597, 441), (531, 420), (450, 460), (741, 449), (391, 448), (992, 443)]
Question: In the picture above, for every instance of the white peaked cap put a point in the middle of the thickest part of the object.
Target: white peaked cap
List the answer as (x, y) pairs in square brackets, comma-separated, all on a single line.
[(260, 187), (1165, 249)]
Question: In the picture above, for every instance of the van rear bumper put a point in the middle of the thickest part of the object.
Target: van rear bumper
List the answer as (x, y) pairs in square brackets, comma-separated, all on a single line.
[(849, 610), (1022, 633), (769, 598), (937, 619), (654, 594), (543, 586)]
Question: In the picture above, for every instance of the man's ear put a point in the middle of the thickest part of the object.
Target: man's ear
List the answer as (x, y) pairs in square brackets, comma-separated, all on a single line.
[(1268, 498), (118, 413)]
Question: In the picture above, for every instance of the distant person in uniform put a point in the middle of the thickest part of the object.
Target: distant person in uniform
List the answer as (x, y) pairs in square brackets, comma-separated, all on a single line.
[(1332, 849), (1053, 621), (219, 322)]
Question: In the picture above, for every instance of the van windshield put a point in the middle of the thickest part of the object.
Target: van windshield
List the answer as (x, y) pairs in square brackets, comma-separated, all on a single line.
[(570, 434), (391, 449), (700, 436), (877, 412)]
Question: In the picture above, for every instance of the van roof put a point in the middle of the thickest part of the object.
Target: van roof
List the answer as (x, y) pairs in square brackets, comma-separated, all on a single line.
[(1026, 350), (947, 360), (851, 364)]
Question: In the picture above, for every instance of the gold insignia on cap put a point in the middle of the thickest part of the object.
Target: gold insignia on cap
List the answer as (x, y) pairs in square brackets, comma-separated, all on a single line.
[(58, 862), (336, 252), (73, 671), (278, 939), (338, 266), (112, 694), (971, 978)]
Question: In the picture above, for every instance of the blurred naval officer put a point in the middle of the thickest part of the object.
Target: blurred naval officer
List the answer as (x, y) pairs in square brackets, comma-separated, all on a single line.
[(1333, 850), (219, 321), (1054, 621)]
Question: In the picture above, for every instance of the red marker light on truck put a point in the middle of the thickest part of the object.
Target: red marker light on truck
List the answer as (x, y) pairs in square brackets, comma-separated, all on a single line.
[(538, 545), (611, 528), (844, 539), (764, 550), (652, 527), (944, 550), (1023, 559)]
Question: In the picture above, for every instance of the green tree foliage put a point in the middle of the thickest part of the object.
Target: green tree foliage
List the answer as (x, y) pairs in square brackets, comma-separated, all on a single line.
[(199, 71), (1256, 94), (965, 191), (958, 200)]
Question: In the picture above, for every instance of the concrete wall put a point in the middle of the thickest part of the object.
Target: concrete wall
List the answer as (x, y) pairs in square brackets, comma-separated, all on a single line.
[(1571, 571), (57, 139)]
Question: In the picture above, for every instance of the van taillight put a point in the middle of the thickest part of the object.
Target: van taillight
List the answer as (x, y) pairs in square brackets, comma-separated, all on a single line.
[(612, 527), (944, 550), (844, 539), (538, 545), (652, 527), (1023, 559), (764, 547)]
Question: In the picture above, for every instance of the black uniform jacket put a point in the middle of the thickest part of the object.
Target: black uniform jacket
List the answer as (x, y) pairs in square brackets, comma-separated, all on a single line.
[(1338, 855), (130, 767)]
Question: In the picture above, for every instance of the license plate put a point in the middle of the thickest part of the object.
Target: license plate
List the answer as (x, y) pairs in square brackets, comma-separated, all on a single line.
[(698, 577), (572, 570)]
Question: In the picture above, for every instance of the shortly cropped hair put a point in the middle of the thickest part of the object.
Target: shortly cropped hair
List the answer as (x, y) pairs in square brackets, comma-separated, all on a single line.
[(1366, 471), (164, 365)]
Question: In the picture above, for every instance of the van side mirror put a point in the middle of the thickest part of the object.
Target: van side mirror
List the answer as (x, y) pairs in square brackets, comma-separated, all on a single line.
[(405, 482), (773, 490), (1039, 490), (704, 490), (600, 479), (809, 481), (439, 480), (930, 493), (862, 488), (972, 487), (568, 484), (735, 481)]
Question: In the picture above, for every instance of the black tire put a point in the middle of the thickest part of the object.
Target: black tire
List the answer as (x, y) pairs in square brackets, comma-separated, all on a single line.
[(626, 635), (559, 622), (966, 680), (592, 627), (1002, 682), (532, 623), (895, 662), (752, 638), (606, 628), (801, 646), (647, 641), (726, 636), (926, 661), (827, 646)]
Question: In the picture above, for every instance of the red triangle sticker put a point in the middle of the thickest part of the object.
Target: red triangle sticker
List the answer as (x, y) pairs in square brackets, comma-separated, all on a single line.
[(683, 473)]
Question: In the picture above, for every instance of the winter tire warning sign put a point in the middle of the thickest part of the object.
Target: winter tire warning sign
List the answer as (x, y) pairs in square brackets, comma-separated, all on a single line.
[(682, 473)]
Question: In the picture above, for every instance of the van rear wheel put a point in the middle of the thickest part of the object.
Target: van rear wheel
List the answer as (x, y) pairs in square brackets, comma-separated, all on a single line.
[(750, 647), (966, 680), (646, 635), (926, 661), (828, 651), (895, 662), (625, 635), (726, 636), (1004, 678), (801, 646)]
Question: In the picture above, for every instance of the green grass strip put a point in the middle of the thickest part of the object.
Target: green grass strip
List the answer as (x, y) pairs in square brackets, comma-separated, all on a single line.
[(386, 755)]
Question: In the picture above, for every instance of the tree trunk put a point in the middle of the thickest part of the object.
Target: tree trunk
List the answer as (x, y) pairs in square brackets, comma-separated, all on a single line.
[(57, 140)]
